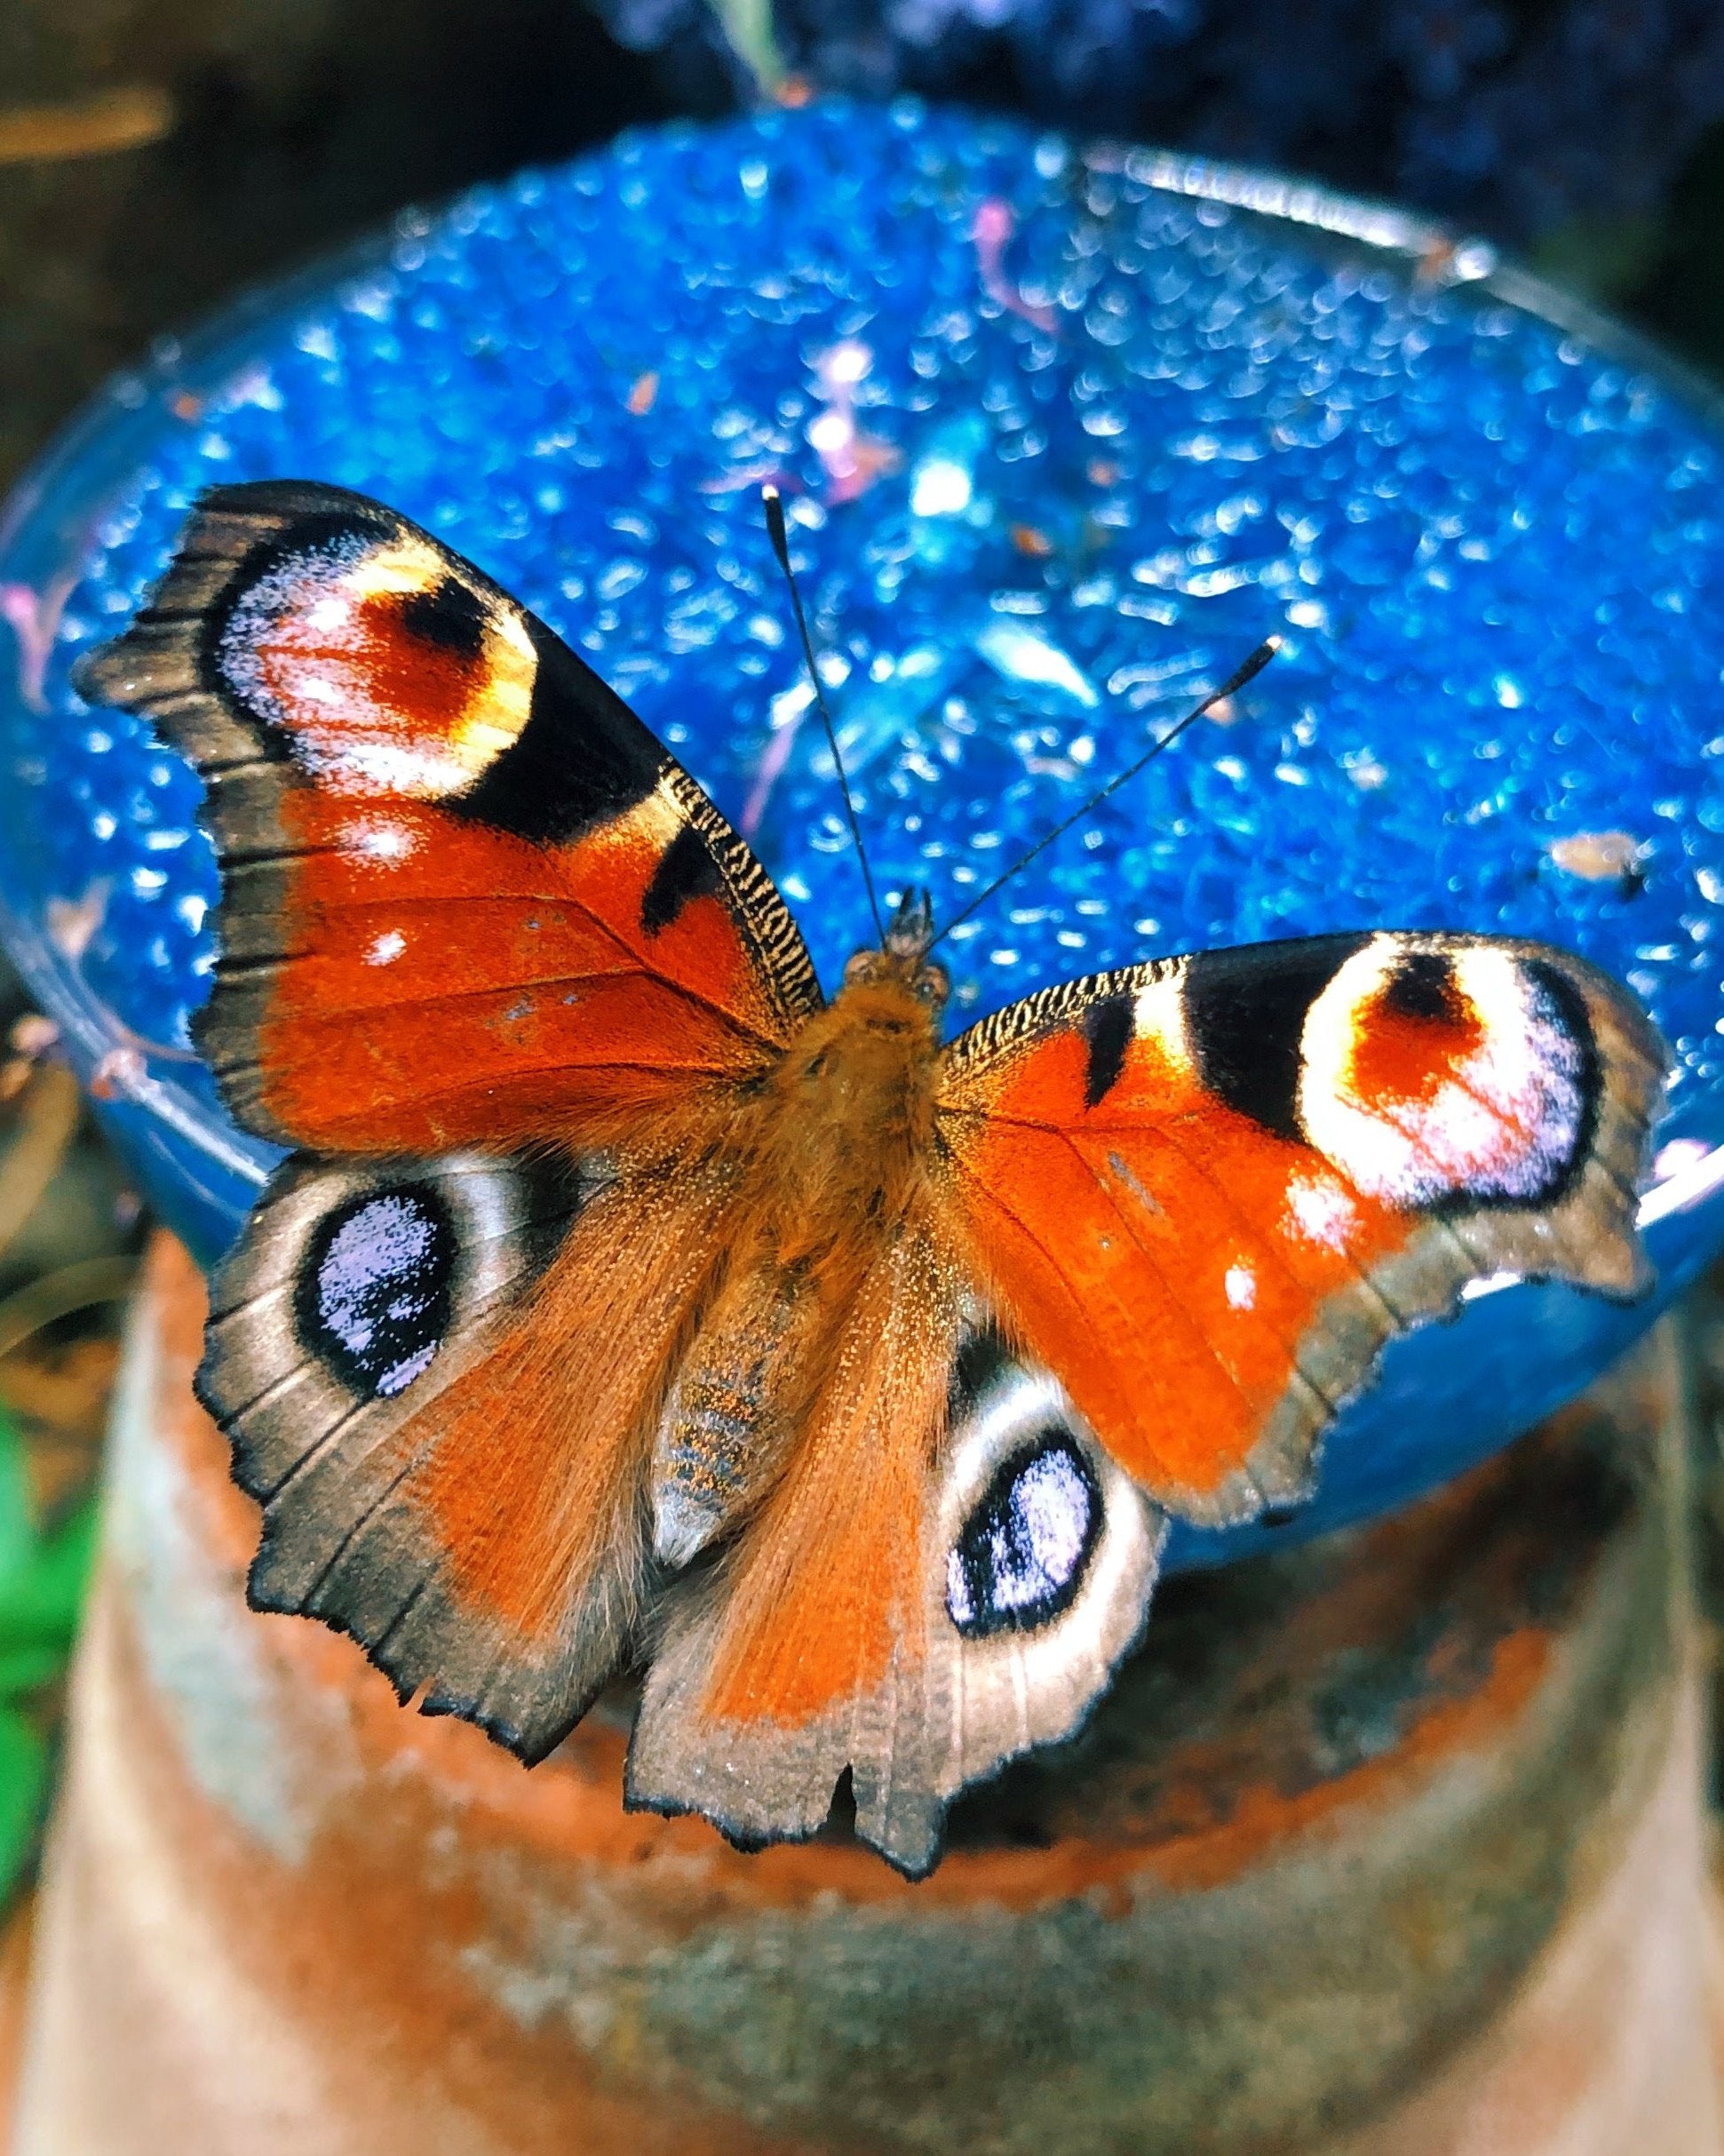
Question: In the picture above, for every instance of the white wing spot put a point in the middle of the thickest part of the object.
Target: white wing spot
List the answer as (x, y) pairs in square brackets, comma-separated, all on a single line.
[(1159, 1018), (1321, 1211), (1242, 1287), (387, 948), (380, 842)]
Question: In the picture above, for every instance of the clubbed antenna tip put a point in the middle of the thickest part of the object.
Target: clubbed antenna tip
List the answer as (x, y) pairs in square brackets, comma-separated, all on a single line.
[(772, 503)]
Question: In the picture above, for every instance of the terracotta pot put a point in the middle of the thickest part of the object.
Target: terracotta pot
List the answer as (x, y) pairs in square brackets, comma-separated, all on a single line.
[(1391, 1844)]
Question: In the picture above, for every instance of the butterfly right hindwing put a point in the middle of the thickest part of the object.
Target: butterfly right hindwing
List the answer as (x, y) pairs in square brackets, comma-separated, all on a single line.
[(1041, 1558)]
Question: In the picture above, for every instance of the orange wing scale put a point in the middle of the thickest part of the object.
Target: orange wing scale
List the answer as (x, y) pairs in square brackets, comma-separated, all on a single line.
[(460, 986), (830, 1585), (1162, 1254)]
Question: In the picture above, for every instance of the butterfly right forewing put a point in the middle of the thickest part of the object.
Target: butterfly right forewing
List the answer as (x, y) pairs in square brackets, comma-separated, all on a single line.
[(1205, 1192)]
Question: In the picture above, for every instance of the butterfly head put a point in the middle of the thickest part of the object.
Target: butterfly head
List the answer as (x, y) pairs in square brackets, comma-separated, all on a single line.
[(902, 955)]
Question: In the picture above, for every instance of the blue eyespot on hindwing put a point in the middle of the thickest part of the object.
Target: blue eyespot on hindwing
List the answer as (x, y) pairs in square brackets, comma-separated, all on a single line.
[(374, 1293), (1020, 1556)]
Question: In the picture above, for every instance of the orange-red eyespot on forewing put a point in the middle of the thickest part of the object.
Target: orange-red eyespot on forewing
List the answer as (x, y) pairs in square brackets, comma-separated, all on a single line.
[(1433, 1072), (389, 671)]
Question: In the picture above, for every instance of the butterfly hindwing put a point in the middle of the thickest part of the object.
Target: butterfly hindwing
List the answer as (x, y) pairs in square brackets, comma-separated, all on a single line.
[(440, 1382), (467, 897), (947, 1572), (1040, 1559), (1204, 1192), (785, 1665)]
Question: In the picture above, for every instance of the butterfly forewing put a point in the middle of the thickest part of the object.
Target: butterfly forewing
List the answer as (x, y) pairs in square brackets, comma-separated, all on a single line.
[(1205, 1192), (468, 897)]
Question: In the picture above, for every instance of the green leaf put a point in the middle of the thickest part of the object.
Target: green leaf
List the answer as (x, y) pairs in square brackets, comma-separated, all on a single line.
[(26, 1668), (23, 1788), (16, 1525), (40, 1601)]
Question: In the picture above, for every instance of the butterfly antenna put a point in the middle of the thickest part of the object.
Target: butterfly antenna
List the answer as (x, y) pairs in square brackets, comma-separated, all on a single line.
[(775, 509), (1236, 681)]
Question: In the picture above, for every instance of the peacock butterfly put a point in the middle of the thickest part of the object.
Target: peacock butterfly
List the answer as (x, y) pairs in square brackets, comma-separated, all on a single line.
[(614, 1302)]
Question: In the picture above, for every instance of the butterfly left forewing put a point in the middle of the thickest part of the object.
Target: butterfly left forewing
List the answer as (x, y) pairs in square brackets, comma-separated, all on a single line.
[(467, 898), (1205, 1192)]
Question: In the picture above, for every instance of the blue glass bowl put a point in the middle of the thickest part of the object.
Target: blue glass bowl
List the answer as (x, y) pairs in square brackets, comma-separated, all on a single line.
[(1063, 435)]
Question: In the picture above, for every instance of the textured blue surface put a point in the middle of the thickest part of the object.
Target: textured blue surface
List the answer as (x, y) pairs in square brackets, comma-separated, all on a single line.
[(1061, 442)]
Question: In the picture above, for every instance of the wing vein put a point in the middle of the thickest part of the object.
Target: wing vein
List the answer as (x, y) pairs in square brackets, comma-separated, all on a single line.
[(1028, 1235)]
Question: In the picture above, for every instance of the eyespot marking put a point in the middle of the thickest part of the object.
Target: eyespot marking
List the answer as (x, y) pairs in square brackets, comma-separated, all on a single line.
[(357, 648), (1422, 986), (1465, 1075), (374, 1300), (1022, 1553), (451, 614)]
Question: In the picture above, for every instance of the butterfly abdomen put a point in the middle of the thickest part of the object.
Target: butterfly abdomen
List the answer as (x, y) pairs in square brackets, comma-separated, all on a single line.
[(831, 1178)]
